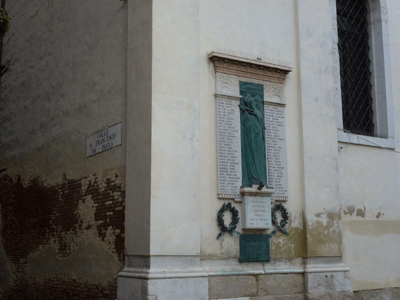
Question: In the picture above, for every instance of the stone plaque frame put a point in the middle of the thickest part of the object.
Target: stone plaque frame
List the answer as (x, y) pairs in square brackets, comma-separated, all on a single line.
[(256, 208), (230, 70)]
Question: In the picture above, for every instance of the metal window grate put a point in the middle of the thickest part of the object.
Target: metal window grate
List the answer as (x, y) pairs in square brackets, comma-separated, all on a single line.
[(355, 74)]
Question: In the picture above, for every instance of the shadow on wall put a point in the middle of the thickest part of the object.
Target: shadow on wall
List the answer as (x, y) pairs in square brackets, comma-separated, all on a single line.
[(61, 242)]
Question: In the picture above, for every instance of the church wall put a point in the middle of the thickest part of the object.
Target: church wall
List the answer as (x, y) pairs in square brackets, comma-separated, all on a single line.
[(175, 128), (369, 193), (266, 30), (271, 30), (62, 214), (324, 182)]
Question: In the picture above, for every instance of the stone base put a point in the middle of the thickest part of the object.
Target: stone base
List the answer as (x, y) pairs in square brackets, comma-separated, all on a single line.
[(162, 289), (186, 278), (324, 275), (330, 296), (278, 297), (162, 278), (319, 283), (387, 294), (261, 287)]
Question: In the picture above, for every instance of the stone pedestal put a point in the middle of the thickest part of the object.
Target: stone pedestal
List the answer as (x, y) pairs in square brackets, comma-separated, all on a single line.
[(256, 206)]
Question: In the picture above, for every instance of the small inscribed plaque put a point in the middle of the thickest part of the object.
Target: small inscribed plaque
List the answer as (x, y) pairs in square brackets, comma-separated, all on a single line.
[(275, 137), (254, 247), (104, 140), (229, 155), (256, 212)]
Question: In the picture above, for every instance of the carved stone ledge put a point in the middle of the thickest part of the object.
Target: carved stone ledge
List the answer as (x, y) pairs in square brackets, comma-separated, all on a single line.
[(249, 68), (254, 191)]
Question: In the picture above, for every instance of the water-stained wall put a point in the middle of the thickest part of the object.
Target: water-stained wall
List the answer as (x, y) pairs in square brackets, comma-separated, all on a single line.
[(62, 214), (63, 239)]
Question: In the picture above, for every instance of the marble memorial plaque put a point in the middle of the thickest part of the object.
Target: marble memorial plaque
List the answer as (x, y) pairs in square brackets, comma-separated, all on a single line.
[(229, 151), (256, 212), (104, 140), (254, 247), (275, 140)]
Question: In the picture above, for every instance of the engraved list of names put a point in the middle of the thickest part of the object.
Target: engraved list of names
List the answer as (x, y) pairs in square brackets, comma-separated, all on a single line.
[(275, 137), (229, 151)]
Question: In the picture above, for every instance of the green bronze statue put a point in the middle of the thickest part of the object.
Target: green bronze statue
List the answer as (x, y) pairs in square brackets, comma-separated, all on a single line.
[(253, 140)]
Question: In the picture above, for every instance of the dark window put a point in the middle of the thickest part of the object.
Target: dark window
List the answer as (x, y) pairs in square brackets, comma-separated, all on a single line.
[(355, 74)]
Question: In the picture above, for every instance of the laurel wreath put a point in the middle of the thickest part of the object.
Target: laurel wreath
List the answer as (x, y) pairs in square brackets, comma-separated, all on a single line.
[(284, 221), (235, 219)]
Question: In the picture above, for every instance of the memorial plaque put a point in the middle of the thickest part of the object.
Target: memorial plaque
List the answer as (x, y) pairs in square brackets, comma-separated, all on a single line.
[(104, 140), (256, 212), (275, 139), (229, 152), (254, 248)]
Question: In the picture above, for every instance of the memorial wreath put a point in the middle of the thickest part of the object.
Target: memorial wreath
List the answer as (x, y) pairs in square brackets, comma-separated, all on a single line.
[(284, 221), (235, 219)]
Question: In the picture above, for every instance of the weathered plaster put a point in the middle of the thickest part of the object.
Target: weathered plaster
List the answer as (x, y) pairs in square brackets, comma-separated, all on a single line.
[(58, 91), (318, 113), (373, 228), (324, 235), (360, 212), (294, 245), (350, 210), (370, 249), (363, 285), (66, 232), (91, 260)]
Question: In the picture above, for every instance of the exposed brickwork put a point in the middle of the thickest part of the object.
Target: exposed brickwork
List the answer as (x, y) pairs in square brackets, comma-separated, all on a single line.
[(36, 218), (60, 289), (62, 237)]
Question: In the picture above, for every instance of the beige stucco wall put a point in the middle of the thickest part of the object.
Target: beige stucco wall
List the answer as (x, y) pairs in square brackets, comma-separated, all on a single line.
[(184, 156), (323, 180), (246, 29), (369, 193), (183, 130)]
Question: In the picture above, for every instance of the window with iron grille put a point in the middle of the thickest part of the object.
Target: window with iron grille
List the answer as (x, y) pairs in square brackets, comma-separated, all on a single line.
[(355, 63)]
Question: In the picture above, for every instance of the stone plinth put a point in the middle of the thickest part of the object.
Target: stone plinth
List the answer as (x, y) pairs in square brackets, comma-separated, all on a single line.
[(256, 208)]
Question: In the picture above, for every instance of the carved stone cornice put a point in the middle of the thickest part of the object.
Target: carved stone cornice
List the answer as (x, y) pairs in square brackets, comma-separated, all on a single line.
[(249, 68)]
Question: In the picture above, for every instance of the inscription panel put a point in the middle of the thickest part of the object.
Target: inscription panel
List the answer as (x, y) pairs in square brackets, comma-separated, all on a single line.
[(275, 140), (257, 212), (254, 248), (229, 148)]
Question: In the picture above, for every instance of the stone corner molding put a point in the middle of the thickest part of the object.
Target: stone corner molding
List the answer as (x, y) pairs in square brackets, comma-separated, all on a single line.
[(248, 67)]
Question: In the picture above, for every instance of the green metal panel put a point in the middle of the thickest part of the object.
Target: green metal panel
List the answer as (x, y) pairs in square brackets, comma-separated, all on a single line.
[(254, 247)]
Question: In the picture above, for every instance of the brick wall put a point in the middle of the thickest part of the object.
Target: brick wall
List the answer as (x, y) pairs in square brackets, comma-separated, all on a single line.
[(62, 214), (63, 241)]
